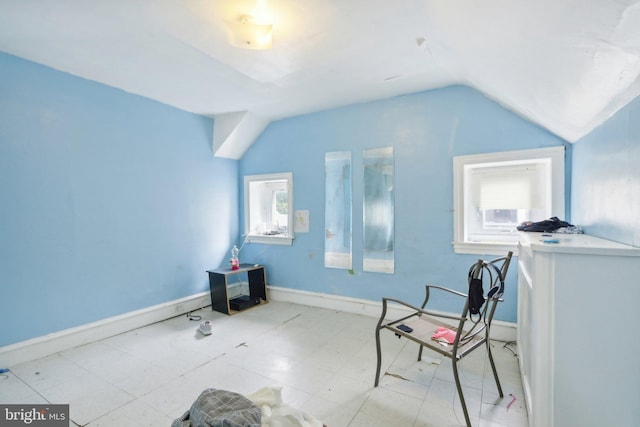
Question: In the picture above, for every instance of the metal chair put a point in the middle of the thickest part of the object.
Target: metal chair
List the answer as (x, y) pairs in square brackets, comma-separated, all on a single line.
[(471, 328)]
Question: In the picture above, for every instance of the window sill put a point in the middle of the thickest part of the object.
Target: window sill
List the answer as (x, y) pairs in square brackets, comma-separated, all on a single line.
[(485, 248), (271, 240)]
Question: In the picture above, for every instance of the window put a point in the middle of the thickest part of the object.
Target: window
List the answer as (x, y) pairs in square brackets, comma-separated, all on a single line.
[(495, 192), (268, 204)]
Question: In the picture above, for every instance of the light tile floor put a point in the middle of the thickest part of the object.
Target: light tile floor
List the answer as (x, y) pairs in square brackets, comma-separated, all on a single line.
[(324, 360)]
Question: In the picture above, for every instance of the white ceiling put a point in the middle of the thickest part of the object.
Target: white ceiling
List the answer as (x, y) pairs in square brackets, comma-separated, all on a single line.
[(567, 65)]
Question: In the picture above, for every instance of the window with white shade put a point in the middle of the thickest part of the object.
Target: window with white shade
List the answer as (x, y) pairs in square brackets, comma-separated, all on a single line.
[(495, 192)]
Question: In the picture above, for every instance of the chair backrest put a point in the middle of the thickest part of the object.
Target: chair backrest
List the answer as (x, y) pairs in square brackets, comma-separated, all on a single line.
[(481, 317), (500, 266)]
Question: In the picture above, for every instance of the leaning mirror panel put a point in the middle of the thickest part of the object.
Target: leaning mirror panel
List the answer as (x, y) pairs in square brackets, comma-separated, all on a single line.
[(337, 215), (378, 211)]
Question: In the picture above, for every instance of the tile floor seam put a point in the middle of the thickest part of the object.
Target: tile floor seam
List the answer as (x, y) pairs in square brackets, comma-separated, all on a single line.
[(30, 387), (101, 377)]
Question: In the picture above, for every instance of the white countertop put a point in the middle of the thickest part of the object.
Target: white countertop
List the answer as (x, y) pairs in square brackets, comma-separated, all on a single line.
[(576, 243)]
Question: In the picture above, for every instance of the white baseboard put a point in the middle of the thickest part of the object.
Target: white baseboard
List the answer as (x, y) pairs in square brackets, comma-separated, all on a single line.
[(56, 342), (49, 344), (500, 330)]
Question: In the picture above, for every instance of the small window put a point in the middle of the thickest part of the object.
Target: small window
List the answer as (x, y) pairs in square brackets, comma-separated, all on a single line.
[(269, 208), (494, 193)]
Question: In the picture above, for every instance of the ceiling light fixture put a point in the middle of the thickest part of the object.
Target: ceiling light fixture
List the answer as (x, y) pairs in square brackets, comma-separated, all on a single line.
[(246, 33)]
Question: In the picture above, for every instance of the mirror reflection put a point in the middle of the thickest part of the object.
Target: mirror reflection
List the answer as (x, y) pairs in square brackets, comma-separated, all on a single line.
[(378, 211), (337, 236)]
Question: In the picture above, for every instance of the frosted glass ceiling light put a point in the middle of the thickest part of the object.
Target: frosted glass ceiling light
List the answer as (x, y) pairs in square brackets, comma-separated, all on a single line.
[(247, 34)]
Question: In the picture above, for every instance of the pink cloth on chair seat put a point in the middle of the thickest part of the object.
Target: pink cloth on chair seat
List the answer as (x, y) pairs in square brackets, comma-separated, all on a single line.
[(444, 334)]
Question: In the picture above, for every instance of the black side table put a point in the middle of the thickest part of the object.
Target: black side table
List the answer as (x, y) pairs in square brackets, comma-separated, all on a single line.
[(218, 284)]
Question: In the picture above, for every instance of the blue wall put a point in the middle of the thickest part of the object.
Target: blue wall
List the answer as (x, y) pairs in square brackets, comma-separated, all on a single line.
[(605, 196), (109, 202), (426, 130)]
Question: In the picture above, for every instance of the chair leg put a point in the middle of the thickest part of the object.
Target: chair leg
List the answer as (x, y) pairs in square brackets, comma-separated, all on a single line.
[(379, 352), (459, 387), (420, 354), (493, 368)]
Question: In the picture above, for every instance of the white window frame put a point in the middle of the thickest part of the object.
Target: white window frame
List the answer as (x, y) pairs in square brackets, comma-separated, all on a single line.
[(556, 157), (262, 238)]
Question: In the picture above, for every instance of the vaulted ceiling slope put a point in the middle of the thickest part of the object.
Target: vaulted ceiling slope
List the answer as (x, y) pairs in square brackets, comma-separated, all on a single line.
[(567, 65)]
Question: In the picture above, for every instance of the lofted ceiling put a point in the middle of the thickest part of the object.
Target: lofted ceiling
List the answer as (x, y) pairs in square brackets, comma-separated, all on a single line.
[(567, 65)]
